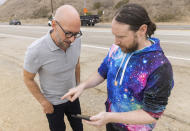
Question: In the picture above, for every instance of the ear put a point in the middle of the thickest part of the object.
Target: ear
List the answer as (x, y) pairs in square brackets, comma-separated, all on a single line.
[(143, 29), (53, 24)]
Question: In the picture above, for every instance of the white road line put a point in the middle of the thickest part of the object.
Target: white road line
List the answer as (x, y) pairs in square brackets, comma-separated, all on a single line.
[(175, 42), (106, 30), (183, 33), (104, 48), (97, 47), (158, 32), (28, 37), (25, 26), (84, 45), (178, 58), (18, 36)]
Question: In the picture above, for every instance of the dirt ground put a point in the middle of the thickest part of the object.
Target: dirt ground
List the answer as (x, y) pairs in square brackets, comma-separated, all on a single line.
[(19, 111)]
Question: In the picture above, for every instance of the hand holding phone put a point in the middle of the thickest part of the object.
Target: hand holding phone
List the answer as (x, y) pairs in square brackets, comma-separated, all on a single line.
[(79, 116)]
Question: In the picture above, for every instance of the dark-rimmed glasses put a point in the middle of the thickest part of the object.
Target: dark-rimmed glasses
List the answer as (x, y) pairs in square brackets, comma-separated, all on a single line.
[(70, 34)]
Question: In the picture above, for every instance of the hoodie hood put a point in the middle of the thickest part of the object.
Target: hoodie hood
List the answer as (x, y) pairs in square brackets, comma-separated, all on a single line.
[(154, 47)]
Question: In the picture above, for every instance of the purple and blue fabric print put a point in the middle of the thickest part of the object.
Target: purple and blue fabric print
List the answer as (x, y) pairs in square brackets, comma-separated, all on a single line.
[(139, 80)]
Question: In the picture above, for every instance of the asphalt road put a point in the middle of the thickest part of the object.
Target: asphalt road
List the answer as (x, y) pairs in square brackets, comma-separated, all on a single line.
[(95, 43), (176, 43), (159, 26)]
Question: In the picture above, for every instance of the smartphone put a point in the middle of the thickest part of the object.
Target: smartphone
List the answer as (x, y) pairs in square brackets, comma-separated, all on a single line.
[(81, 117)]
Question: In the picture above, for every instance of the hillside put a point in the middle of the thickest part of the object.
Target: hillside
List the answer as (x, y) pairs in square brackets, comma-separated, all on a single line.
[(160, 10)]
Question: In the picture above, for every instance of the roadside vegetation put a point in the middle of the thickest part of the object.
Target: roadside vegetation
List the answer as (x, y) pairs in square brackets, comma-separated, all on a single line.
[(159, 10)]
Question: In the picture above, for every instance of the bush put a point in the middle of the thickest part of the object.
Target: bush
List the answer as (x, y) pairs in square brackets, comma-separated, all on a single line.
[(121, 3), (41, 12), (88, 13), (97, 5), (165, 17), (100, 12)]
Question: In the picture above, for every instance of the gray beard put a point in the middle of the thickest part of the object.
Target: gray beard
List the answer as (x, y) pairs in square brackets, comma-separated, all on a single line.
[(61, 43)]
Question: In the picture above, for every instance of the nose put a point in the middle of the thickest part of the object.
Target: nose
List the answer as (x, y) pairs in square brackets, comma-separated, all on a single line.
[(72, 39), (117, 41)]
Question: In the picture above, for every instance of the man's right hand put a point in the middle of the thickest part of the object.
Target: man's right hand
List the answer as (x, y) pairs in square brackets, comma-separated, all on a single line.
[(35, 90), (47, 107), (73, 93)]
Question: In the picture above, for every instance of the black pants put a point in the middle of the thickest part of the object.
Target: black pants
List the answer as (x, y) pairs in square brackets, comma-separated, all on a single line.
[(114, 127), (56, 119)]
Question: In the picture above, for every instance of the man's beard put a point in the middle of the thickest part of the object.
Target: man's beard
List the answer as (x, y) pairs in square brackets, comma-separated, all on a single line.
[(133, 47), (130, 49), (63, 44)]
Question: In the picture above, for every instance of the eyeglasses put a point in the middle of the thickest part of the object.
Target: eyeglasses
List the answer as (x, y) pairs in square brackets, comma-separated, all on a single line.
[(70, 34)]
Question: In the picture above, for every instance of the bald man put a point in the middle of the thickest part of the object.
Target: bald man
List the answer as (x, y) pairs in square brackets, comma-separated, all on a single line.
[(55, 57)]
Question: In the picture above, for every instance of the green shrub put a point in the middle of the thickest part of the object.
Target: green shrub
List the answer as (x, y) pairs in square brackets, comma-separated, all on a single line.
[(88, 13), (97, 5), (121, 3), (100, 12), (165, 17)]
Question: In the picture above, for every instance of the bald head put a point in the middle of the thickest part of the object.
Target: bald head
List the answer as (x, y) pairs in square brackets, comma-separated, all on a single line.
[(68, 16)]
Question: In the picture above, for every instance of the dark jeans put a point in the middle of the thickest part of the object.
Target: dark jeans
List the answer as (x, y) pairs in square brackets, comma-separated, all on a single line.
[(114, 127), (56, 119)]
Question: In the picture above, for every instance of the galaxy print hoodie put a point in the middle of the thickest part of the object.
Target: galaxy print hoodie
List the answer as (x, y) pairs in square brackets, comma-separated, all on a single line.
[(139, 80)]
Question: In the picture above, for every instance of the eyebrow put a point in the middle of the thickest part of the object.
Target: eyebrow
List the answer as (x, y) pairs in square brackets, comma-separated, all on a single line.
[(122, 36)]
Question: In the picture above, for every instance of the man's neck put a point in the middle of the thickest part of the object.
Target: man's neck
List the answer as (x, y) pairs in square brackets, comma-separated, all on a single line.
[(144, 43)]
